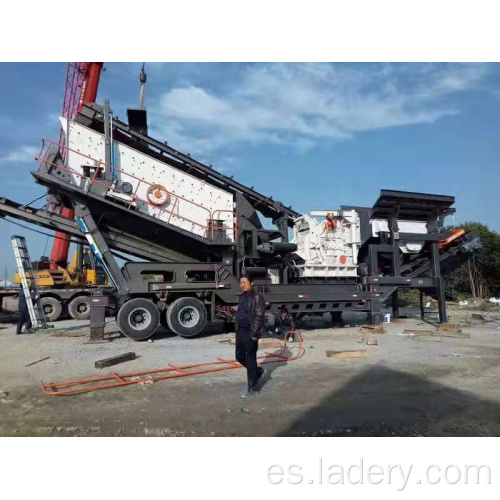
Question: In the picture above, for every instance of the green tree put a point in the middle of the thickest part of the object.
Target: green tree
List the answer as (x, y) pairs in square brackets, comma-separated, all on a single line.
[(480, 276)]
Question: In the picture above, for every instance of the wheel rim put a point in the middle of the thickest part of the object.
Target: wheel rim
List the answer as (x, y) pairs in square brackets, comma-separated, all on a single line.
[(139, 318), (48, 309), (82, 307), (188, 316)]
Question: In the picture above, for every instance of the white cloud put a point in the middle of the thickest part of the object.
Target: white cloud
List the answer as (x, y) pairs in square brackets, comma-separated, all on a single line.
[(21, 154), (303, 104)]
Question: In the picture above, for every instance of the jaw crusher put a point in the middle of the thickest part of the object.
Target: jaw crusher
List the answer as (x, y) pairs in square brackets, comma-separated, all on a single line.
[(197, 231)]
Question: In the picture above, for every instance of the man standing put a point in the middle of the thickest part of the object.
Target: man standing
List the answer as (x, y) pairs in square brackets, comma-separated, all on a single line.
[(24, 315), (250, 319)]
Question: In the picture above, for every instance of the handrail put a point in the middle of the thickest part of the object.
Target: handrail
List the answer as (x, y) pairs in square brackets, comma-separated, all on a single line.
[(235, 222)]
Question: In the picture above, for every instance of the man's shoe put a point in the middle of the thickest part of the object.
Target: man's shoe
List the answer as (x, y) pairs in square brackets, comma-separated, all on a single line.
[(249, 394)]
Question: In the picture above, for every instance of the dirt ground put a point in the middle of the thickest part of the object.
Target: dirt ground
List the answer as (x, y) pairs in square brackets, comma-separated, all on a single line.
[(432, 386)]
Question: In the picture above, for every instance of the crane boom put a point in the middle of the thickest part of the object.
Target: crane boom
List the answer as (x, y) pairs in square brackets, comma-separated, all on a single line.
[(82, 82), (91, 77)]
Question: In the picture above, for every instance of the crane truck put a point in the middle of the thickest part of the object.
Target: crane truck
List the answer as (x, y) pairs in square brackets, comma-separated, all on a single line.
[(67, 289)]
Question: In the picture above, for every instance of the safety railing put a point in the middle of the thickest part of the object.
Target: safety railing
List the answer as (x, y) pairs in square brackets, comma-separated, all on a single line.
[(234, 218), (132, 200)]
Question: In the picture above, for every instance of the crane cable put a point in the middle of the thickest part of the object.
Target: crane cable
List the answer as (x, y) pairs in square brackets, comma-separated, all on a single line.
[(36, 199), (47, 234), (77, 242)]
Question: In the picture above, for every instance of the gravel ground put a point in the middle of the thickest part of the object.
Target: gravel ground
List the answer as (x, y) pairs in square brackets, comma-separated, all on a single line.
[(404, 387)]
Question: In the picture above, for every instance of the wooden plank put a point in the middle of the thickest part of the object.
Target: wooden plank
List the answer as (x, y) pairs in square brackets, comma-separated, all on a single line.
[(419, 332), (121, 358), (363, 353), (435, 333), (68, 334), (372, 329), (449, 327), (455, 335)]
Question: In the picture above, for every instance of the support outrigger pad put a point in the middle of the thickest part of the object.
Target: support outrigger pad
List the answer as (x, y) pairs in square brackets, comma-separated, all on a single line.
[(97, 336)]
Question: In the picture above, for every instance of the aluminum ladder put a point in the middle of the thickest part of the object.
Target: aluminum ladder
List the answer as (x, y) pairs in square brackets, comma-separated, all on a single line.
[(23, 261)]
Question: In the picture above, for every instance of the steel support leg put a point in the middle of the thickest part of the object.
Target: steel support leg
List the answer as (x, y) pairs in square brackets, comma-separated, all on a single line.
[(422, 312), (373, 256), (98, 304), (395, 304), (374, 314), (436, 267), (441, 301)]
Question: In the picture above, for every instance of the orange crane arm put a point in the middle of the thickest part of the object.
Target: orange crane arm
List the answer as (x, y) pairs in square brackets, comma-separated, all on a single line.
[(82, 82)]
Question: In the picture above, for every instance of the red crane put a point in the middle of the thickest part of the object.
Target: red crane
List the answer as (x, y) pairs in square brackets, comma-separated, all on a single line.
[(82, 82)]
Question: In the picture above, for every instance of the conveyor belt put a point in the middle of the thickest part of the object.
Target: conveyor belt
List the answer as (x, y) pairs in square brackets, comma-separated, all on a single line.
[(449, 259)]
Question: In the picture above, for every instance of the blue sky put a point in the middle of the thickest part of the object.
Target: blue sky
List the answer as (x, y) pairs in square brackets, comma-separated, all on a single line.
[(312, 135)]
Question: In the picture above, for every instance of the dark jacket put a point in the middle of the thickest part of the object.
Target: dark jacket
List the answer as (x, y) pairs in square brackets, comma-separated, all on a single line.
[(257, 314), (23, 306)]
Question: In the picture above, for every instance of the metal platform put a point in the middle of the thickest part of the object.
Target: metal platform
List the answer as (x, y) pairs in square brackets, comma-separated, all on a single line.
[(406, 205)]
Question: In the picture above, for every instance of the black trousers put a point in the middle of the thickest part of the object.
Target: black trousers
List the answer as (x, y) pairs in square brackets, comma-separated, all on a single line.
[(246, 354), (24, 317)]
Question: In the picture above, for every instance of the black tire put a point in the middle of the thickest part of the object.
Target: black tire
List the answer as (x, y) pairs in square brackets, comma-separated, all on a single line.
[(164, 322), (186, 317), (79, 307), (138, 319), (52, 308), (163, 319)]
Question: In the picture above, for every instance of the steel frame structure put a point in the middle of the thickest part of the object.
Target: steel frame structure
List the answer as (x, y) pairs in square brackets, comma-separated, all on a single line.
[(108, 224)]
